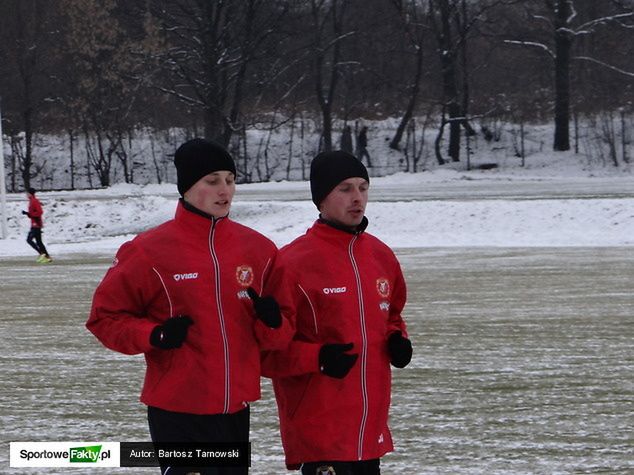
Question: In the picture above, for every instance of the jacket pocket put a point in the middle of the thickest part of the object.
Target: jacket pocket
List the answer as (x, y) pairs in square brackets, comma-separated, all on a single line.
[(302, 392), (163, 366)]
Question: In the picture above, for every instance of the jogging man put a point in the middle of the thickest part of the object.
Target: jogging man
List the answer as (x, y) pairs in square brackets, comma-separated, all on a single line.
[(344, 291), (185, 294), (34, 238)]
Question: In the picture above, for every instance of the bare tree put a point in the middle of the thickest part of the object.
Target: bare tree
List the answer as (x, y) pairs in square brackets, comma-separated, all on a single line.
[(105, 84), (561, 19), (328, 28), (444, 15), (412, 18), (27, 33), (453, 22), (207, 49)]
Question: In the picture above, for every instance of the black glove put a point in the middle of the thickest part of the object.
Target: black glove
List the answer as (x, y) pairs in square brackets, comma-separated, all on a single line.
[(172, 333), (266, 308), (334, 361), (26, 213), (400, 349)]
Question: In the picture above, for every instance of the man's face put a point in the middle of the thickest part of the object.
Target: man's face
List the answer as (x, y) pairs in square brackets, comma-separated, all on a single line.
[(213, 193), (345, 204)]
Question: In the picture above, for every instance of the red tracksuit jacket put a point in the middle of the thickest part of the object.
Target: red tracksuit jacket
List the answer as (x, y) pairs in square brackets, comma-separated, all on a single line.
[(200, 267), (35, 212), (337, 288)]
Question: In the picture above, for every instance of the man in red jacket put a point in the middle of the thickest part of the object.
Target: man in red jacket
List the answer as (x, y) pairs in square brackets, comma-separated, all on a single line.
[(345, 291), (34, 238), (185, 294)]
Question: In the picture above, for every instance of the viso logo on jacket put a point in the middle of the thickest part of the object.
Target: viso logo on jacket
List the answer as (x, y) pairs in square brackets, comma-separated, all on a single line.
[(188, 276), (334, 290)]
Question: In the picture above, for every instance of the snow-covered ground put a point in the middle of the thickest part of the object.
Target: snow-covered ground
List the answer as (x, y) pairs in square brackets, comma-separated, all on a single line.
[(550, 203)]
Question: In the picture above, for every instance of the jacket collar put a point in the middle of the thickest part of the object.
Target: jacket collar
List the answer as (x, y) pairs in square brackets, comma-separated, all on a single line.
[(194, 218), (358, 230)]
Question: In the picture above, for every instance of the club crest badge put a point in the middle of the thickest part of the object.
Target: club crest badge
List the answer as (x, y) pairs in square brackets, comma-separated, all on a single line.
[(244, 275), (383, 287)]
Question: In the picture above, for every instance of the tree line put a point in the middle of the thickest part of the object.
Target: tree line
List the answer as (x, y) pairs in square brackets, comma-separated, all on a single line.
[(97, 70)]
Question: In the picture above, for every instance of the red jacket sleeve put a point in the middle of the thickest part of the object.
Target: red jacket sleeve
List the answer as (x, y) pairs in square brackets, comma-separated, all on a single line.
[(299, 357), (118, 316), (275, 338)]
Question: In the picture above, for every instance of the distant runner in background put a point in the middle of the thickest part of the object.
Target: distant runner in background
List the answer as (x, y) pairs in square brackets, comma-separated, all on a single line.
[(34, 238), (346, 139), (362, 146)]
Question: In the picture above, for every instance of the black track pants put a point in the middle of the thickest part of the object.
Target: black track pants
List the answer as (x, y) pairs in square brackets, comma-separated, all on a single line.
[(362, 467), (35, 240), (168, 426)]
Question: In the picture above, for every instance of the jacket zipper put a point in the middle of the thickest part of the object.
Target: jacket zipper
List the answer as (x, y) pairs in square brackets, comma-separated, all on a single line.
[(364, 350), (221, 317)]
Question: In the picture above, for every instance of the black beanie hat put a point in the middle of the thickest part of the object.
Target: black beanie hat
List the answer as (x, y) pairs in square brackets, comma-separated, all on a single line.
[(328, 169), (197, 158)]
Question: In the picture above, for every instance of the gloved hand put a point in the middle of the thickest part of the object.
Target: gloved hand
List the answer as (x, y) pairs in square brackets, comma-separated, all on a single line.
[(400, 349), (266, 308), (172, 333), (26, 213), (334, 361)]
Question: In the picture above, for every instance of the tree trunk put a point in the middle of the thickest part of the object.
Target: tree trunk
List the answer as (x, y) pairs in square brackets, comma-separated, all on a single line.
[(325, 107), (302, 136), (28, 153), (441, 131), (409, 111), (290, 149), (626, 158), (157, 167), (71, 137), (522, 142), (563, 45), (327, 129), (454, 132), (245, 155), (450, 89), (326, 98), (214, 125), (14, 160), (469, 132), (575, 118), (230, 124)]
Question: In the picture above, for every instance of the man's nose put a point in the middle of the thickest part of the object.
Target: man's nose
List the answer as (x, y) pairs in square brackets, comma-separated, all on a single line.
[(357, 195)]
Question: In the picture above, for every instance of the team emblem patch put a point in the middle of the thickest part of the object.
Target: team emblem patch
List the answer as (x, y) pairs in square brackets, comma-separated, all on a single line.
[(244, 275), (383, 287)]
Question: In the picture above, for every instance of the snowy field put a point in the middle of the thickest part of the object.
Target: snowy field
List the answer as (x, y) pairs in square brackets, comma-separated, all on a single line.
[(522, 365), (541, 206), (520, 309)]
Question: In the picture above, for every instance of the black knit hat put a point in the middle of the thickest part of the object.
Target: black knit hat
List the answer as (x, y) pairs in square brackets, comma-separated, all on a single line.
[(197, 158), (328, 169)]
